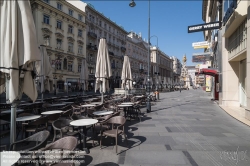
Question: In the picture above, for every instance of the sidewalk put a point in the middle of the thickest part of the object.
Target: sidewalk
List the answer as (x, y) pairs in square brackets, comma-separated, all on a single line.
[(237, 113), (184, 129)]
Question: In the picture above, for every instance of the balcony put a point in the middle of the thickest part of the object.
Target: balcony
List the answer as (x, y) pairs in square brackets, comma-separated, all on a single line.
[(111, 53), (92, 76), (92, 34), (112, 66), (123, 48), (92, 47)]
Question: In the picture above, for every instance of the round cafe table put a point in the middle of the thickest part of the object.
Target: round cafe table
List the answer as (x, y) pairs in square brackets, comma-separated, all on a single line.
[(27, 118), (67, 102), (126, 109), (9, 111), (101, 113), (83, 123), (88, 105), (51, 112), (96, 103), (8, 158), (127, 103)]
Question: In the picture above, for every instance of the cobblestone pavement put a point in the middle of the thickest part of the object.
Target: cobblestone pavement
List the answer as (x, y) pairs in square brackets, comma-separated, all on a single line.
[(183, 129)]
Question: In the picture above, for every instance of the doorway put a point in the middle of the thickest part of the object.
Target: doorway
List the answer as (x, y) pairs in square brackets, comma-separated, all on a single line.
[(242, 83)]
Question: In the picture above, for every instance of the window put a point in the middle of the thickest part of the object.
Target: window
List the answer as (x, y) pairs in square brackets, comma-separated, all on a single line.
[(59, 24), (59, 43), (46, 40), (100, 23), (65, 62), (46, 19), (79, 32), (70, 66), (80, 49), (70, 29), (70, 12), (59, 65), (91, 58), (70, 47), (79, 17), (59, 6), (47, 1), (79, 68)]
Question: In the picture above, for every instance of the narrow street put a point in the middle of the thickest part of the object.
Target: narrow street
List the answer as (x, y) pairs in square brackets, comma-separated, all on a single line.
[(184, 129)]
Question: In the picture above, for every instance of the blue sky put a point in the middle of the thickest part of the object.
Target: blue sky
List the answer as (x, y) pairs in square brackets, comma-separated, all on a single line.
[(168, 20)]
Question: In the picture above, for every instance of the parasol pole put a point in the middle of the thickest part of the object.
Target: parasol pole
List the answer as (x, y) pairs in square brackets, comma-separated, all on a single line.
[(13, 112), (102, 91)]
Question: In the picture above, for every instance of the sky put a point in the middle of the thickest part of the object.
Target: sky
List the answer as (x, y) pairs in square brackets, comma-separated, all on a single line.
[(169, 21)]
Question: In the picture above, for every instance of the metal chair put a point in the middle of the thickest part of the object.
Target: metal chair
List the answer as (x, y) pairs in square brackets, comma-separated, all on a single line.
[(117, 128), (66, 146), (35, 142)]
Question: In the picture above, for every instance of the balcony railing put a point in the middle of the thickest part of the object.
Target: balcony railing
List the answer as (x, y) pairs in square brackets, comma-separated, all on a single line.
[(123, 48), (92, 47), (92, 34), (111, 53)]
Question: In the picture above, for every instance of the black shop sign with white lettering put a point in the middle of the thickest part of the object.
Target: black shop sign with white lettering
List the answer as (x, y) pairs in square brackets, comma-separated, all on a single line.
[(203, 27)]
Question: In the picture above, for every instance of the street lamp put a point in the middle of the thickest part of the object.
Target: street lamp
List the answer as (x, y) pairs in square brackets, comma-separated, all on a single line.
[(132, 4), (157, 84)]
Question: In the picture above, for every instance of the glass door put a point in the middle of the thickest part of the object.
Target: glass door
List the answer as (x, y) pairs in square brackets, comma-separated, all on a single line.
[(242, 83)]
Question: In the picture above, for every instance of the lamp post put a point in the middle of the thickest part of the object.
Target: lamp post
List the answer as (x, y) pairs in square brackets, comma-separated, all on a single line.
[(157, 69), (132, 4)]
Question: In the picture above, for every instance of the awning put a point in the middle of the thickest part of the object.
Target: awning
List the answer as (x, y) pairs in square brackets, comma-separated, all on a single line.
[(209, 71)]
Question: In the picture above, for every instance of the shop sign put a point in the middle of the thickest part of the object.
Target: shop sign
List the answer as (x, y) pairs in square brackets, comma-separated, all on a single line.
[(204, 27), (198, 45), (201, 57)]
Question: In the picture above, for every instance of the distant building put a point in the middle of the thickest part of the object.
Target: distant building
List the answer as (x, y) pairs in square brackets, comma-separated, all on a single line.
[(191, 72), (176, 70)]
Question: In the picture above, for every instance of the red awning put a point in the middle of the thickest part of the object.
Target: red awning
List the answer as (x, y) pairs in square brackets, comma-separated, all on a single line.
[(209, 71)]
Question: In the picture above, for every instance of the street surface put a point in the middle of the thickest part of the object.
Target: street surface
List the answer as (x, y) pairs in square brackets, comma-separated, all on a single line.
[(183, 129)]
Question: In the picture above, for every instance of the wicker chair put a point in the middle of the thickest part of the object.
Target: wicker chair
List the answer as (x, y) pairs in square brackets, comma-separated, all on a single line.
[(67, 114), (76, 109), (21, 125), (52, 118), (115, 131), (37, 125), (66, 145), (35, 142), (62, 126)]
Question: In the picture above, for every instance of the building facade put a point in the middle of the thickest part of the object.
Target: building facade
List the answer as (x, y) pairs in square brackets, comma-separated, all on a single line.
[(138, 55), (161, 66), (191, 75), (234, 53), (177, 66), (99, 26), (61, 28)]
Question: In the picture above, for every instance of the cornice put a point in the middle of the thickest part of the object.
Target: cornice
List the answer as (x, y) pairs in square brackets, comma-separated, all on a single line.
[(106, 19), (56, 13)]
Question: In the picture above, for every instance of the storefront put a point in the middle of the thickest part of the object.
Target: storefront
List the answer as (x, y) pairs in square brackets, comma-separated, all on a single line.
[(214, 73)]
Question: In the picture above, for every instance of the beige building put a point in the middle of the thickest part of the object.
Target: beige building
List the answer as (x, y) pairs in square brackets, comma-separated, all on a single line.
[(61, 28), (138, 55), (161, 66), (234, 52), (100, 26)]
